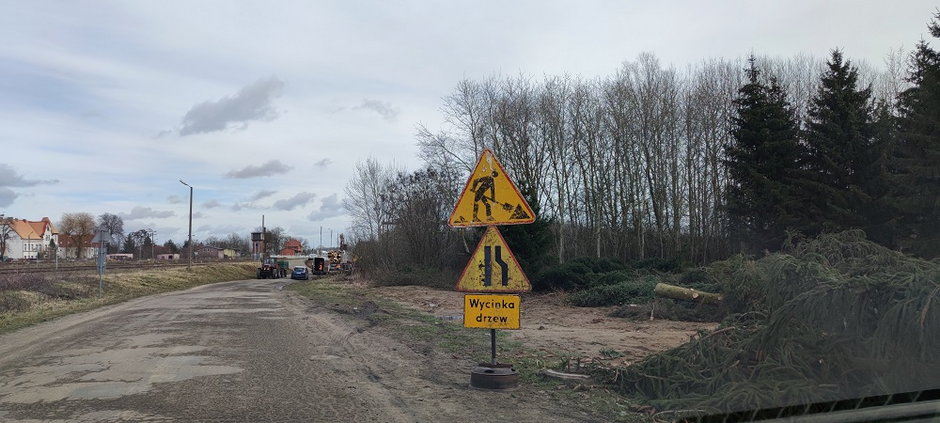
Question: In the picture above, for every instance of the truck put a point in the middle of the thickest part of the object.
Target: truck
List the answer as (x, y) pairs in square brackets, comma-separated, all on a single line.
[(339, 260)]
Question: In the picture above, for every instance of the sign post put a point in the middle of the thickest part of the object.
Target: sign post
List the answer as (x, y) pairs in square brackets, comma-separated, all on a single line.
[(101, 238), (490, 198)]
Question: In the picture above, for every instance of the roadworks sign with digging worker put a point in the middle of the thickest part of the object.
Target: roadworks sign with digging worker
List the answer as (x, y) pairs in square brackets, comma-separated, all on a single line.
[(490, 198)]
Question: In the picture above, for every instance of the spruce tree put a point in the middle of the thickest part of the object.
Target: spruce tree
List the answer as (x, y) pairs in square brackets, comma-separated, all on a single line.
[(762, 162), (842, 176), (915, 160), (531, 244)]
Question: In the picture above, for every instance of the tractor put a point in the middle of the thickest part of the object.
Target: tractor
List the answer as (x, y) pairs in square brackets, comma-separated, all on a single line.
[(269, 269)]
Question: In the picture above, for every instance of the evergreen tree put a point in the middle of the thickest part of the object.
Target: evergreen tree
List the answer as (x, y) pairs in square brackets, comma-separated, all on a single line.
[(842, 177), (171, 247), (762, 162), (531, 244), (915, 160)]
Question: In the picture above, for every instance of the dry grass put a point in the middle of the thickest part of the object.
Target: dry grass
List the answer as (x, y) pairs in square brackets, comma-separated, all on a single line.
[(27, 299)]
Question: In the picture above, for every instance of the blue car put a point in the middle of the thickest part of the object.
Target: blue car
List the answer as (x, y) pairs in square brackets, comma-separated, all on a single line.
[(300, 272)]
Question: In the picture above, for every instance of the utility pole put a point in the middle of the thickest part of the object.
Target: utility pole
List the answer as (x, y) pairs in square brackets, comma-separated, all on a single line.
[(190, 266)]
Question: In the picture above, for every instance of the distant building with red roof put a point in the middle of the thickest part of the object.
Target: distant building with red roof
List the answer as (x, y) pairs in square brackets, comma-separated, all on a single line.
[(292, 247)]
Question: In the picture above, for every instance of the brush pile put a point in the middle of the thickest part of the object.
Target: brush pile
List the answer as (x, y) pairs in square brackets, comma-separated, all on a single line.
[(832, 318)]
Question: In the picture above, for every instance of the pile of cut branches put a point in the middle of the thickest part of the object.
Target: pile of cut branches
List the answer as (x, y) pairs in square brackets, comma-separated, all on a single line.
[(833, 318)]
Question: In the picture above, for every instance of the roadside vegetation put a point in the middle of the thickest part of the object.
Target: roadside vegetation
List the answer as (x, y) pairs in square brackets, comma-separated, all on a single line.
[(832, 318), (27, 298), (802, 191), (429, 336)]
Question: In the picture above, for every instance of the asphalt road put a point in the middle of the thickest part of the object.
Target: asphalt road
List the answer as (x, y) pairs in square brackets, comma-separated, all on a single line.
[(240, 351)]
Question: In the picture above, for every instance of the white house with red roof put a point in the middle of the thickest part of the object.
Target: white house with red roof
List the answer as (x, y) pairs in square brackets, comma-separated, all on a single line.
[(26, 239)]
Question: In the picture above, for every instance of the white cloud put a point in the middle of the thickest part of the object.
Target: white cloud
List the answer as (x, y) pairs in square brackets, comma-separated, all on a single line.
[(262, 194), (383, 108), (251, 103), (324, 162), (211, 204), (7, 196), (139, 212), (250, 202), (269, 168), (174, 199), (329, 207), (298, 200), (10, 178)]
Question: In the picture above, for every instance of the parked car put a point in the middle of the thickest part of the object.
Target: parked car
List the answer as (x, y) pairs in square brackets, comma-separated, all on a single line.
[(300, 272)]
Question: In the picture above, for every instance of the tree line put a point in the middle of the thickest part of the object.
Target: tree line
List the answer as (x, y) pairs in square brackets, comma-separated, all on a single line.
[(142, 242), (696, 164)]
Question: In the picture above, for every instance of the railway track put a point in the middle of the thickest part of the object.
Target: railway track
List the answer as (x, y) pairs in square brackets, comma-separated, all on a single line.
[(91, 267)]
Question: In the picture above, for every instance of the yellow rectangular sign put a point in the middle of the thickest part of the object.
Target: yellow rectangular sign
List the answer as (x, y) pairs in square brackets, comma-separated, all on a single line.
[(489, 311)]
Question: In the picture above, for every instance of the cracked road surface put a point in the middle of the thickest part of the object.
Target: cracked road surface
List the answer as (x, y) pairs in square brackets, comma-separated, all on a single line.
[(241, 351)]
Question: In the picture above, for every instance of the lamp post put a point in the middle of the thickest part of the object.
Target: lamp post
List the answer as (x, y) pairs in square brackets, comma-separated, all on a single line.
[(190, 266)]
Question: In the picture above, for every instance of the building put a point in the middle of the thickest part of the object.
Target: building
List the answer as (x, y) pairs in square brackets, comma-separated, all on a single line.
[(210, 252), (25, 239), (292, 247), (168, 256), (69, 246)]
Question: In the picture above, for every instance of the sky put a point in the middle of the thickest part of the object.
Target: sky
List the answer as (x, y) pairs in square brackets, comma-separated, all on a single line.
[(265, 108)]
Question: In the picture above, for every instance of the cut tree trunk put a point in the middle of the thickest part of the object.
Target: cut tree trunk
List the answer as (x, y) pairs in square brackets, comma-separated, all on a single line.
[(680, 293)]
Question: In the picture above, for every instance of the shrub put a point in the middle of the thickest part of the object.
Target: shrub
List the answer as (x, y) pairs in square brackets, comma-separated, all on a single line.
[(600, 265), (700, 280), (617, 276), (25, 282), (568, 276), (838, 317), (418, 276), (631, 291), (660, 264), (669, 309)]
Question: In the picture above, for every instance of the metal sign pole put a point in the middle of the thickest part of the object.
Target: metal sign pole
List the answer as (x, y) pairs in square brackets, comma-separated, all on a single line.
[(102, 258), (493, 346)]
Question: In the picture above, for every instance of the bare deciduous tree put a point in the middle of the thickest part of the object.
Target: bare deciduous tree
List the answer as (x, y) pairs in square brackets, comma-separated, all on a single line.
[(114, 225), (364, 198), (79, 228)]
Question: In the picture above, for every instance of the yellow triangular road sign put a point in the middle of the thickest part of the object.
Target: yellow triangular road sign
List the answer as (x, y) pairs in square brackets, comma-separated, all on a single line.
[(490, 198), (493, 268)]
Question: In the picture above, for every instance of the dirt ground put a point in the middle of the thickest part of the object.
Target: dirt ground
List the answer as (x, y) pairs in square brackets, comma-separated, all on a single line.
[(551, 325)]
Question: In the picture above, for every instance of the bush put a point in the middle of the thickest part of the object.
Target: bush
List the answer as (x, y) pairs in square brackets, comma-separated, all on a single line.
[(568, 276), (659, 264), (27, 281), (700, 280), (618, 276), (838, 317), (631, 291), (417, 276), (669, 309), (600, 265)]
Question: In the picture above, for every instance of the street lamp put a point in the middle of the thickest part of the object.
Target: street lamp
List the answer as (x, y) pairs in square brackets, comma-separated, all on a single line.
[(190, 266)]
